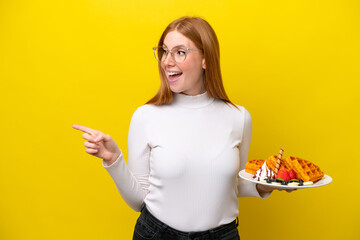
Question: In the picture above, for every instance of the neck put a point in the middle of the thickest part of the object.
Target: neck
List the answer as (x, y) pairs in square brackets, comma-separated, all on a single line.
[(192, 101)]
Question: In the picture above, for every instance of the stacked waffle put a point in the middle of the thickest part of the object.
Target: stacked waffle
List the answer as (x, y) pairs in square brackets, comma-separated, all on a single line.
[(253, 165), (305, 170)]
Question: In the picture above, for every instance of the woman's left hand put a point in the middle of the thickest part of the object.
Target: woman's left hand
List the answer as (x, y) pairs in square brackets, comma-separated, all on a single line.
[(267, 189)]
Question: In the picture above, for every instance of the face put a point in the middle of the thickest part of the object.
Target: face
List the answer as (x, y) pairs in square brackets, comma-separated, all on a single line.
[(189, 78)]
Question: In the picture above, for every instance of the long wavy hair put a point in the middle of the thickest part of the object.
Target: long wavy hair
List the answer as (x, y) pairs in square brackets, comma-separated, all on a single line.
[(203, 36)]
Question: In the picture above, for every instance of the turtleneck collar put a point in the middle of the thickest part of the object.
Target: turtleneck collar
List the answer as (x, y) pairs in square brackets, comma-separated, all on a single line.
[(197, 101)]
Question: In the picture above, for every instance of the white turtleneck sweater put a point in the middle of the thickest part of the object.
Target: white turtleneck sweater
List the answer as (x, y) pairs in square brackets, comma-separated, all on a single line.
[(184, 160)]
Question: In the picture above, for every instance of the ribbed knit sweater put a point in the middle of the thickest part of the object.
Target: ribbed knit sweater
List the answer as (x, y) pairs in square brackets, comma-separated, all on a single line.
[(183, 162)]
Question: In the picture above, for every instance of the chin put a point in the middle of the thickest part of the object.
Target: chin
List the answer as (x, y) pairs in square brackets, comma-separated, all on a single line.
[(176, 90)]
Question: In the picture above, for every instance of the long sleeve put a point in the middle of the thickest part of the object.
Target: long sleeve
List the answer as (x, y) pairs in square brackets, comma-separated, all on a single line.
[(184, 159), (246, 188), (132, 179)]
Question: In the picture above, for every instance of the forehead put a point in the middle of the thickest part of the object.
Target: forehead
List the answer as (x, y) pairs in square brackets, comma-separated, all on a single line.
[(174, 38)]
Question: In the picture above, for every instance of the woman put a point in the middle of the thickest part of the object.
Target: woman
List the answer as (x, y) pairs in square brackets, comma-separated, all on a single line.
[(186, 145)]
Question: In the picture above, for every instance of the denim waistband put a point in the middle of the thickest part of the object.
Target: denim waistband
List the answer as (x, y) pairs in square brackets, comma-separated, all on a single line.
[(212, 233)]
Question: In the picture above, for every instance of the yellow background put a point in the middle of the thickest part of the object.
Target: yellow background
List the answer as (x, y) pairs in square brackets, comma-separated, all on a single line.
[(293, 64)]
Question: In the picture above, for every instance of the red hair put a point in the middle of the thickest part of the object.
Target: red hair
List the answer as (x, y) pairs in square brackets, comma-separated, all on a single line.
[(203, 36)]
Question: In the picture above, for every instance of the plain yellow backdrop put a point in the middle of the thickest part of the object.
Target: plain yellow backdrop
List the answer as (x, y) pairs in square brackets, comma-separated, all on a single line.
[(293, 64)]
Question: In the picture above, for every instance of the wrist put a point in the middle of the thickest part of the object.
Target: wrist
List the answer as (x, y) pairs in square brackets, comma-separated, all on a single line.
[(263, 189), (113, 159)]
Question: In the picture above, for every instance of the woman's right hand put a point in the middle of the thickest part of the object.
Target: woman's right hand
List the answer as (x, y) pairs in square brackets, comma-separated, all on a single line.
[(99, 144)]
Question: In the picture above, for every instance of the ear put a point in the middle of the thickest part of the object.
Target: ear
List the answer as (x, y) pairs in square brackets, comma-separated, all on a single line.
[(203, 63)]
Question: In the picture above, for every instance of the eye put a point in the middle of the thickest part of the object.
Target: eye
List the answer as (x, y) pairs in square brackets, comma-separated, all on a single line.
[(180, 52), (164, 51)]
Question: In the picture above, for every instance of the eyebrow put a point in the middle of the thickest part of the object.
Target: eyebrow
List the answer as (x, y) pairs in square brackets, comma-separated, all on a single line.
[(178, 46)]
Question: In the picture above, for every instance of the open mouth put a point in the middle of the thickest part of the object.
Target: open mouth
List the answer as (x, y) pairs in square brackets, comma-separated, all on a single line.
[(173, 76)]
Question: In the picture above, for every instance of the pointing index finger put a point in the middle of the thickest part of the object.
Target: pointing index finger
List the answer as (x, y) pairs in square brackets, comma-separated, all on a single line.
[(84, 129)]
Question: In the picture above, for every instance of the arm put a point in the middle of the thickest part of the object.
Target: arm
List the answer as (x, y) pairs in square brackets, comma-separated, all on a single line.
[(245, 188), (132, 179)]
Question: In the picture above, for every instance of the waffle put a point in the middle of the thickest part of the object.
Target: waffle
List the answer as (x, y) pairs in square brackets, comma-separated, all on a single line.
[(253, 165), (271, 163), (305, 170)]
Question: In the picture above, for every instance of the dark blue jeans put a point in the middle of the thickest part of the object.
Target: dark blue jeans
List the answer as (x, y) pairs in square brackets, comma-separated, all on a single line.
[(149, 227)]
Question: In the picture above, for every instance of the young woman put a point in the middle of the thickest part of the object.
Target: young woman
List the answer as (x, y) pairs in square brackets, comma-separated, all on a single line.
[(186, 145)]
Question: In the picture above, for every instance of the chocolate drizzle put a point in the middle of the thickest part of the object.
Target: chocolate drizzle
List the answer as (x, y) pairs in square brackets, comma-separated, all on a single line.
[(268, 173), (260, 174)]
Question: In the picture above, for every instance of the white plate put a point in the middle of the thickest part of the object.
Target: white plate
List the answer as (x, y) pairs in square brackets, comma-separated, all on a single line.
[(249, 177)]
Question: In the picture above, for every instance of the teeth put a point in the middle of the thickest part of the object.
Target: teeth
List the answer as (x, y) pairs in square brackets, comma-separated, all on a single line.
[(173, 73)]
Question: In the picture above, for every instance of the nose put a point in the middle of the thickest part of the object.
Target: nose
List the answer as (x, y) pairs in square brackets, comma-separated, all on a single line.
[(169, 60)]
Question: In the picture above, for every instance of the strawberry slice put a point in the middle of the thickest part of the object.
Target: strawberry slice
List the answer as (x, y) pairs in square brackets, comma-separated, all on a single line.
[(284, 174), (292, 174)]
